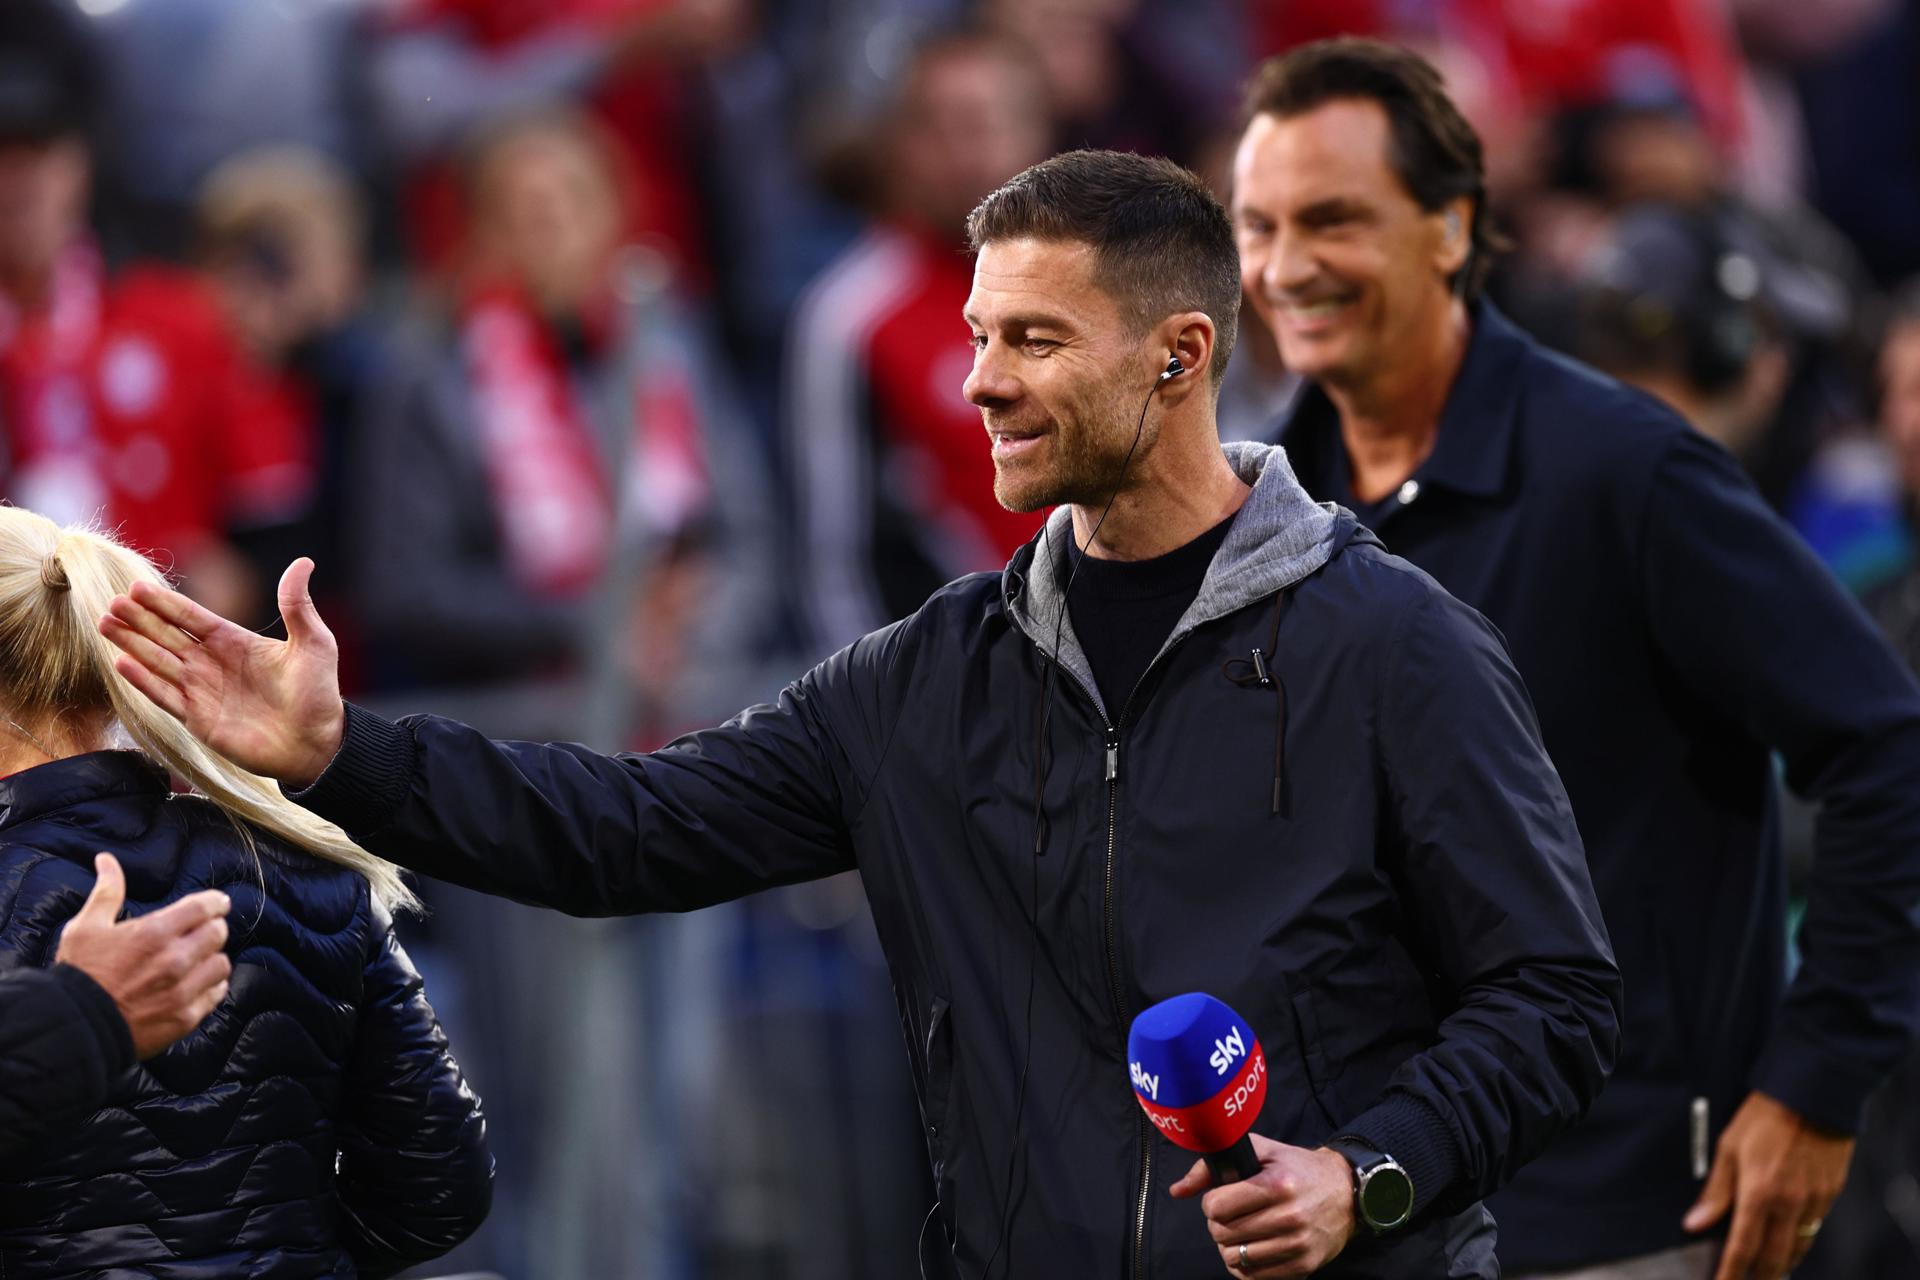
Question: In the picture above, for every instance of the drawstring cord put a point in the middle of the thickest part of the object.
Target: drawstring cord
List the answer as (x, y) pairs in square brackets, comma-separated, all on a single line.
[(1256, 672)]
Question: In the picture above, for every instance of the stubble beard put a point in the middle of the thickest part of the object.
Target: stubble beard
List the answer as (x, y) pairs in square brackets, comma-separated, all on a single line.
[(1083, 467)]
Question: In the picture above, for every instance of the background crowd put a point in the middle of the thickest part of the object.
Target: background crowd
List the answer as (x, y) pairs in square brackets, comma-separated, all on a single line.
[(607, 355)]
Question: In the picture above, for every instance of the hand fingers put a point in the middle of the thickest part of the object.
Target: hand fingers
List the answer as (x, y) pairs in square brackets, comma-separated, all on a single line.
[(1742, 1250), (1196, 1180), (142, 650), (197, 946), (1238, 1199), (1803, 1243), (136, 616), (192, 912), (1776, 1246), (296, 605), (157, 691), (109, 891), (1715, 1197), (194, 618), (210, 972), (1265, 1257), (1270, 1223)]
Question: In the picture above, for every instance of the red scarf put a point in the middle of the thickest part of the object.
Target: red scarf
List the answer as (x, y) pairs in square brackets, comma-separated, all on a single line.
[(553, 498)]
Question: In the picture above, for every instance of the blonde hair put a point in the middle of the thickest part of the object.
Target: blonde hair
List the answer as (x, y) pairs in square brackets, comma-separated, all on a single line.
[(55, 666)]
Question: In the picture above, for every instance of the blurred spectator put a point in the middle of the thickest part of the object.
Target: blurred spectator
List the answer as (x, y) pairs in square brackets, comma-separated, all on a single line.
[(280, 239), (1615, 157), (539, 492), (1897, 604), (121, 392), (893, 478), (1258, 388), (1874, 1228), (1564, 55), (1104, 88), (193, 82), (1861, 107), (1680, 313), (442, 68)]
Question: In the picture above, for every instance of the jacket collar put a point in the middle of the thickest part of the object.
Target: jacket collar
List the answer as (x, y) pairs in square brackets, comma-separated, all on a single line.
[(1279, 537), (62, 784), (1473, 453)]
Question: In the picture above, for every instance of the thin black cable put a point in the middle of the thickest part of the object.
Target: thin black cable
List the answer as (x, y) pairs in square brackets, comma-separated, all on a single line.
[(1007, 1203)]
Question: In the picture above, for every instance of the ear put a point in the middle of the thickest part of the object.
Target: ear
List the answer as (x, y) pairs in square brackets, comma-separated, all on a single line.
[(1455, 220), (1189, 336)]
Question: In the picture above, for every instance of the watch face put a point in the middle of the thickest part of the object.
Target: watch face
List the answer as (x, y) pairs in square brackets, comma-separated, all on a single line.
[(1387, 1198)]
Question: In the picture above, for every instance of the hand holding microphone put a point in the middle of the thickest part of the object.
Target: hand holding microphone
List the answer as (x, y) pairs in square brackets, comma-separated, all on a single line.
[(1273, 1210)]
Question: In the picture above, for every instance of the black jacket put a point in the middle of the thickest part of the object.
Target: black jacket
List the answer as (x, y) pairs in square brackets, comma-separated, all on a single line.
[(62, 1044), (1673, 634), (313, 1125), (1411, 934)]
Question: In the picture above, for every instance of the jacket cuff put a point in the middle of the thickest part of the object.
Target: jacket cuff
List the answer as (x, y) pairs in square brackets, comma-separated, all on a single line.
[(1823, 1088), (103, 1021), (1415, 1135), (366, 781)]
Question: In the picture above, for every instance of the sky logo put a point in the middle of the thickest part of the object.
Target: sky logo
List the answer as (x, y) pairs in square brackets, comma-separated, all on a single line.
[(1226, 1050), (1147, 1084)]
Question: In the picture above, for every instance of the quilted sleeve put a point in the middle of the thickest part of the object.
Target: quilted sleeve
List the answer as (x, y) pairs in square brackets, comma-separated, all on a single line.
[(62, 1045), (416, 1177)]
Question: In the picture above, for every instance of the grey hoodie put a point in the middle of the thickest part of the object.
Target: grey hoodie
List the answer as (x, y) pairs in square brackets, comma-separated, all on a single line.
[(1279, 537)]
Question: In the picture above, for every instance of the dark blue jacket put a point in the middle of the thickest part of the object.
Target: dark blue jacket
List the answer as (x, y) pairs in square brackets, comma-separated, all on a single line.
[(1378, 870), (1672, 633), (62, 1045), (313, 1125)]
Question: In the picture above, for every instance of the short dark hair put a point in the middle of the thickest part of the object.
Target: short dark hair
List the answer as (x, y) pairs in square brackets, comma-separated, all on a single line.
[(1161, 242), (1435, 153)]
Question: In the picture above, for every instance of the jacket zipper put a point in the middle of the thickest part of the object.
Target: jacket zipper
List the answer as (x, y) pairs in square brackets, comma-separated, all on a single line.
[(1143, 1131), (1137, 1268)]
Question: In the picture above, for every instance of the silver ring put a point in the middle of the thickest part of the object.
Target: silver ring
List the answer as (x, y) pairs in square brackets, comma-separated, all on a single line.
[(1243, 1257), (1809, 1230)]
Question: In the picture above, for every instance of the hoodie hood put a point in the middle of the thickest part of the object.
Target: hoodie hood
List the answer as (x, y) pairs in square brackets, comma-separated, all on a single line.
[(1279, 537)]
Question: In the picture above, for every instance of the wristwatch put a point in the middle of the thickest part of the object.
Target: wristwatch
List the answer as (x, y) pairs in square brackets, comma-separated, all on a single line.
[(1382, 1191)]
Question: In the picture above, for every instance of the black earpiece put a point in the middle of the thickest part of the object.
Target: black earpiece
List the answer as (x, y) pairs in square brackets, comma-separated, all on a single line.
[(1174, 368)]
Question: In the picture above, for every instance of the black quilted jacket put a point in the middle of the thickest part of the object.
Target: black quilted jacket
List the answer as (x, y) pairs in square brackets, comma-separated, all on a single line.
[(314, 1125)]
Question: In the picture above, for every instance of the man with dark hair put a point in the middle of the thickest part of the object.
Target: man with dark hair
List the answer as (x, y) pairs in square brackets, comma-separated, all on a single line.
[(1672, 633), (1201, 734)]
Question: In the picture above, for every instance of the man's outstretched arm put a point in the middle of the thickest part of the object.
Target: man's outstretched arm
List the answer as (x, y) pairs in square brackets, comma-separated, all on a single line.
[(761, 801)]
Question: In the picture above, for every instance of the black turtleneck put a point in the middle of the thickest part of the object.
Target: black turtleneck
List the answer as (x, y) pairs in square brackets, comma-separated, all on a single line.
[(1124, 610)]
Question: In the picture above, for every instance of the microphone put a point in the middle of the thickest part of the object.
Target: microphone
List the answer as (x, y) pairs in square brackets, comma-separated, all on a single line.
[(1201, 1078)]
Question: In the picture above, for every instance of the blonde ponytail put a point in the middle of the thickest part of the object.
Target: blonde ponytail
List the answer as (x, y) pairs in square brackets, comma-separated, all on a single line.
[(55, 584)]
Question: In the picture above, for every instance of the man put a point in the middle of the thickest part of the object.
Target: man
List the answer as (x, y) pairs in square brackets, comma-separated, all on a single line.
[(1257, 757), (892, 492), (1671, 632), (119, 991)]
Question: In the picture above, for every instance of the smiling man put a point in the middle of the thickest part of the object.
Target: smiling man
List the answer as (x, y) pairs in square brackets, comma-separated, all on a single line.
[(1674, 635), (1256, 756)]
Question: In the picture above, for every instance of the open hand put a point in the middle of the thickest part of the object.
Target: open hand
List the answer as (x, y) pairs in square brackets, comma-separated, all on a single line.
[(165, 970), (1294, 1216), (270, 706)]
